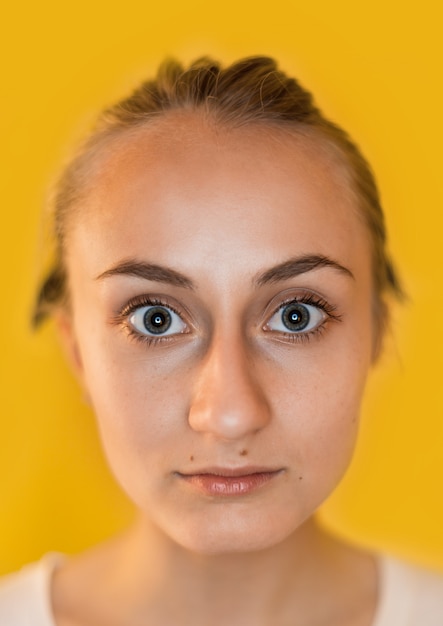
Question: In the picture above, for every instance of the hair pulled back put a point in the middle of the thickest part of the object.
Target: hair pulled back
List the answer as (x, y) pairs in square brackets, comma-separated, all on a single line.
[(251, 90)]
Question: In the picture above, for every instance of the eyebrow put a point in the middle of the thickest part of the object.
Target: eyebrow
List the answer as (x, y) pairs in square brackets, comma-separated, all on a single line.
[(299, 265), (284, 271), (148, 271)]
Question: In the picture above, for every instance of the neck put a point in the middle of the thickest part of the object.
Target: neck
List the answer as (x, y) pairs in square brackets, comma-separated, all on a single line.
[(238, 588), (152, 580)]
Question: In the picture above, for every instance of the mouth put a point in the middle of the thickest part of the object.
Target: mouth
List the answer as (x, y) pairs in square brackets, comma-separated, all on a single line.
[(222, 482)]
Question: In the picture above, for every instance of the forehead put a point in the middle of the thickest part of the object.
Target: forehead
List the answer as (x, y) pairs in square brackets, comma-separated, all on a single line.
[(185, 187)]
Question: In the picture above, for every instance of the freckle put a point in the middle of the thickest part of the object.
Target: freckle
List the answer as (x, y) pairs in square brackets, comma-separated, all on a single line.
[(191, 458), (244, 453), (300, 478)]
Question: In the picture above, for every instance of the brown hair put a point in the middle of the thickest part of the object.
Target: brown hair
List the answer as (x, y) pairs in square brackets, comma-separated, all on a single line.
[(251, 90)]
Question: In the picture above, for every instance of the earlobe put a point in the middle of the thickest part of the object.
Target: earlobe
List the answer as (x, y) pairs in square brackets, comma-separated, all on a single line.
[(377, 347), (65, 328), (381, 323), (66, 332)]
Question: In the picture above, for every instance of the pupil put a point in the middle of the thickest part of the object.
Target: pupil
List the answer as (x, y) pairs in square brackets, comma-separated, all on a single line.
[(295, 316), (157, 320)]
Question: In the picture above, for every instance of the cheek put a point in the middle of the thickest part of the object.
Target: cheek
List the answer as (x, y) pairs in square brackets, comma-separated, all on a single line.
[(138, 402), (142, 428), (321, 414), (141, 406), (330, 429), (317, 405)]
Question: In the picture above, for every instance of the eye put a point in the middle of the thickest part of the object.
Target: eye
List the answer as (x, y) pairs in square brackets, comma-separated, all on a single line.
[(156, 320), (296, 317)]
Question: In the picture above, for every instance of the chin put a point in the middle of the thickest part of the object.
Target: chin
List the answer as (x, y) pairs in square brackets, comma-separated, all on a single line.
[(231, 533)]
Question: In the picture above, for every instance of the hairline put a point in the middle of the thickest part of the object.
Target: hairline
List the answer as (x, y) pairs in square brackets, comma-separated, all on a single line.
[(93, 155)]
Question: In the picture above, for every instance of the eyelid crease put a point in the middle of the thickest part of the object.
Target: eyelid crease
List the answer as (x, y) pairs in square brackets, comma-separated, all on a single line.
[(138, 302), (304, 296)]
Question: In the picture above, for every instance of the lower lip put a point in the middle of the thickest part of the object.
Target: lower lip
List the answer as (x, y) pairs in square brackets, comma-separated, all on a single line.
[(215, 485)]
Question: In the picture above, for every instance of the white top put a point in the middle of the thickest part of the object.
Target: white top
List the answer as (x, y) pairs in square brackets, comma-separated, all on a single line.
[(25, 596), (409, 596)]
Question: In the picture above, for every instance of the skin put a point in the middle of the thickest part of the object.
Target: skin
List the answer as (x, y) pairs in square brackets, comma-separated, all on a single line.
[(231, 387)]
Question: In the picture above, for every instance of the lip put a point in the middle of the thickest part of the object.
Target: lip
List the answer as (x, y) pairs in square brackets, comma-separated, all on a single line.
[(223, 482)]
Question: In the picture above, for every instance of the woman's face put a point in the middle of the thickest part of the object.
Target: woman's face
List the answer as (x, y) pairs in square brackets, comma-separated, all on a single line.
[(221, 324)]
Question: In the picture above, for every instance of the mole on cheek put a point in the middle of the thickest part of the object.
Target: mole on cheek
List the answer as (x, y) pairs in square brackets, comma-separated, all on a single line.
[(191, 458)]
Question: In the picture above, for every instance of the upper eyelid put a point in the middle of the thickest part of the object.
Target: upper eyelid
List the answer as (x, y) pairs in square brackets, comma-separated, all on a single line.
[(298, 301), (305, 297), (145, 300)]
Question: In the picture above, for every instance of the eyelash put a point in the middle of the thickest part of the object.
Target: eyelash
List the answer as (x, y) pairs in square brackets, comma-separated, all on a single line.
[(136, 303), (301, 337), (314, 300)]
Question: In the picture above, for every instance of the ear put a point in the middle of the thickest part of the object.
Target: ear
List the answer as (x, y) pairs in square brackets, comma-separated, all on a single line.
[(66, 332), (381, 324)]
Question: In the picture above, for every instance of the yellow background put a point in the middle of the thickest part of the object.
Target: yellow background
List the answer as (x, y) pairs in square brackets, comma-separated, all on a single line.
[(376, 69)]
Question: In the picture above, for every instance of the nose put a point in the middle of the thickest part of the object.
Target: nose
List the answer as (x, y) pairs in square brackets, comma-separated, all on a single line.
[(227, 399)]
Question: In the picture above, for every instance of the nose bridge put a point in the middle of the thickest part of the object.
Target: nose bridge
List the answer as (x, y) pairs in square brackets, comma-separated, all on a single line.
[(228, 400)]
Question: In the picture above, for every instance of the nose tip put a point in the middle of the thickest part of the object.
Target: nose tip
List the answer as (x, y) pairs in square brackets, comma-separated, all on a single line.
[(228, 400)]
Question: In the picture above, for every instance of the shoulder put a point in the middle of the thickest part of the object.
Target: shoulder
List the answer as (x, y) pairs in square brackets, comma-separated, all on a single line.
[(25, 595), (409, 595)]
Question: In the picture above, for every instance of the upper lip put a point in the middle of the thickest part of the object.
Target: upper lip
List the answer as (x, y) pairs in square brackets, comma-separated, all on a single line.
[(232, 471)]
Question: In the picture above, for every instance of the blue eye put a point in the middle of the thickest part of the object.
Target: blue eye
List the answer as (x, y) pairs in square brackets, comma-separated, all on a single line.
[(156, 320), (296, 317)]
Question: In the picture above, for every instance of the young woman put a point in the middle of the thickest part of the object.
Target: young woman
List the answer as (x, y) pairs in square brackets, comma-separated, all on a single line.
[(221, 287)]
